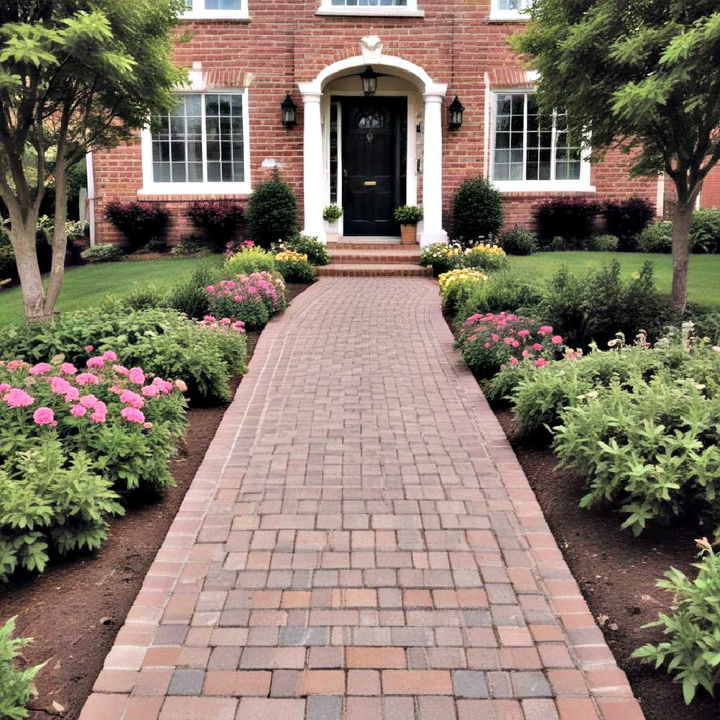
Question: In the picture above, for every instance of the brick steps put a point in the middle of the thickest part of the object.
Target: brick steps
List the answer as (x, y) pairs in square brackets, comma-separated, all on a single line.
[(374, 269), (384, 257), (349, 245)]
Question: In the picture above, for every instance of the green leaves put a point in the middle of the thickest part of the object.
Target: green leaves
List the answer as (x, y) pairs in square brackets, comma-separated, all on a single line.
[(29, 44), (16, 686)]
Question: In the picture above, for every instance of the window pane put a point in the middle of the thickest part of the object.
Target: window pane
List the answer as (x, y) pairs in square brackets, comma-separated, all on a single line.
[(568, 153), (513, 4), (222, 5), (539, 145), (509, 136), (225, 148)]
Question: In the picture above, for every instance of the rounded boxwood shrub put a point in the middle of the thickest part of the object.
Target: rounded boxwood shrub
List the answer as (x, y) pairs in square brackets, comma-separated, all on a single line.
[(317, 253), (656, 238), (705, 231), (272, 212), (139, 222), (604, 243), (102, 253), (476, 211), (518, 241)]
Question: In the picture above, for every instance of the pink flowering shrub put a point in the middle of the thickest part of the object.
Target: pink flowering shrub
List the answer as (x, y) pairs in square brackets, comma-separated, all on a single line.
[(491, 341), (252, 299), (126, 420)]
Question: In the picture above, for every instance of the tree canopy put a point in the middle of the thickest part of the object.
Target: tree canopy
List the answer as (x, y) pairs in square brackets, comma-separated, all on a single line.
[(642, 75)]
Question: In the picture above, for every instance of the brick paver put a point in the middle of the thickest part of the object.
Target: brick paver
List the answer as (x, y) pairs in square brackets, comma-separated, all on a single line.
[(360, 542)]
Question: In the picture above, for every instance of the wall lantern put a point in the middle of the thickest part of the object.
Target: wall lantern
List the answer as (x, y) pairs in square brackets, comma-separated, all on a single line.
[(455, 113), (289, 112), (369, 81)]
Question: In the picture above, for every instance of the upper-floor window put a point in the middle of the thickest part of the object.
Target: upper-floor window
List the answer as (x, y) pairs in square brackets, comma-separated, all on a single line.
[(369, 7), (530, 151), (199, 147), (216, 9), (510, 9)]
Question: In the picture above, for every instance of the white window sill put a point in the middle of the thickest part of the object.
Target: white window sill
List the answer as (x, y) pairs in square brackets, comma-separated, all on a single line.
[(210, 188), (237, 15), (508, 16), (368, 11), (534, 186)]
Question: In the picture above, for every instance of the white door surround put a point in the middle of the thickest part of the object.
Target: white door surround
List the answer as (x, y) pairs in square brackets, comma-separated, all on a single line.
[(315, 161)]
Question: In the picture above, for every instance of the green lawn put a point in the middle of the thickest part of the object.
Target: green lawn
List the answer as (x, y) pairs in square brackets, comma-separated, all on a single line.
[(704, 269), (85, 286)]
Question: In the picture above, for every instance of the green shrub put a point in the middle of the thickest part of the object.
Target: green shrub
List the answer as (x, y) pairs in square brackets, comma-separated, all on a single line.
[(656, 238), (332, 213), (708, 325), (17, 686), (647, 448), (142, 298), (503, 292), (51, 504), (570, 218), (598, 304), (190, 296), (102, 253), (476, 212), (408, 215), (139, 222), (626, 219), (705, 231), (603, 243), (160, 340), (294, 267), (317, 253), (247, 261), (692, 628), (456, 286), (272, 212), (518, 241), (441, 257), (217, 221)]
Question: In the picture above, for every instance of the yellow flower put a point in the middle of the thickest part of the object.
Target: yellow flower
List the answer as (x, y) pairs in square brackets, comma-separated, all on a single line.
[(291, 256)]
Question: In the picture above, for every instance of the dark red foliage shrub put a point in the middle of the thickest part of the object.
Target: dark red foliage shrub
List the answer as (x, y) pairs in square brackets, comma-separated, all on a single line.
[(569, 218), (140, 222), (626, 219), (219, 221)]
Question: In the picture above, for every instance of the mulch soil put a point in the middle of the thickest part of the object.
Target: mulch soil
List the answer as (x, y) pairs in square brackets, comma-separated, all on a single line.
[(616, 573), (75, 609)]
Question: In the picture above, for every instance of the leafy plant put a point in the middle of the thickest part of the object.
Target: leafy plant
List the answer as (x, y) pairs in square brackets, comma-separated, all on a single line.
[(17, 686), (705, 231), (626, 219), (102, 253), (218, 221), (518, 241), (190, 296), (317, 253), (485, 257), (272, 212), (139, 222), (570, 218), (441, 257), (253, 298), (603, 243), (503, 292), (456, 285), (294, 267), (249, 260), (476, 212), (332, 213), (692, 650), (408, 214), (656, 238)]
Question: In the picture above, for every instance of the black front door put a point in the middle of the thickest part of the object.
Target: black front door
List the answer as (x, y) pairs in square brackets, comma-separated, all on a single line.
[(374, 141)]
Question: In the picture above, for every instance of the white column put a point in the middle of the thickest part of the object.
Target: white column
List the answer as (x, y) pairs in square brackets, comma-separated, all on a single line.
[(313, 180), (432, 231)]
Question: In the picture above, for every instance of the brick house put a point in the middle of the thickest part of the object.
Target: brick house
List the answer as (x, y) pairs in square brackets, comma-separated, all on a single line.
[(367, 153)]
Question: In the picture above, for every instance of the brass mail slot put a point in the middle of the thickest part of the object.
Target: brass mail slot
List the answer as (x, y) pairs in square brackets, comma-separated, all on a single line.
[(369, 183)]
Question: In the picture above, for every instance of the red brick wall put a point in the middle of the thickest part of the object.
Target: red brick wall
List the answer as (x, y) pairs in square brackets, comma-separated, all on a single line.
[(711, 189), (286, 43)]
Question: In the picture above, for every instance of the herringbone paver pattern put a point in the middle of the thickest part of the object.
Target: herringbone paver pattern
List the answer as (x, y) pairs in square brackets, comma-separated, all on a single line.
[(360, 543)]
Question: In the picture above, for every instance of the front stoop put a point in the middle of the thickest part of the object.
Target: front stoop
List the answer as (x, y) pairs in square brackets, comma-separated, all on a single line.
[(367, 259)]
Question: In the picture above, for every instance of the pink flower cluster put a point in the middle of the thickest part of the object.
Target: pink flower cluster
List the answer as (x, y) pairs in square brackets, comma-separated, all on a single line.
[(68, 396), (262, 285), (235, 246), (509, 338), (224, 324)]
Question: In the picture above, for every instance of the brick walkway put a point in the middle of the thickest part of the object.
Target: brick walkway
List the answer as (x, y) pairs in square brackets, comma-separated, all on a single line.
[(360, 543)]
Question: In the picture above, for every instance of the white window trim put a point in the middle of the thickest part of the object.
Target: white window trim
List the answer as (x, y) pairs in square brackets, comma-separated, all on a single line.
[(582, 184), (409, 10), (200, 13), (150, 187), (498, 15)]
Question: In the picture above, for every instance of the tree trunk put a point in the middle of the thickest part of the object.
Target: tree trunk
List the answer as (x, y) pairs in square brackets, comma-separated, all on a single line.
[(59, 243), (682, 220), (22, 237)]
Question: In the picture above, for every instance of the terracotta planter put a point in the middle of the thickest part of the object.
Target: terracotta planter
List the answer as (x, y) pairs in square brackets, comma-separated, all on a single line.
[(408, 233)]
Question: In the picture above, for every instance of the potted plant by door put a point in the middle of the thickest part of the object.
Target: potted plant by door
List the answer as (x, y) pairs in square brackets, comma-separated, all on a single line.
[(331, 215), (408, 216)]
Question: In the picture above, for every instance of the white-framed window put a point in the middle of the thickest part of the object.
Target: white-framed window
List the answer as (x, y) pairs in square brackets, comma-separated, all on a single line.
[(510, 9), (530, 152), (370, 7), (216, 9), (201, 147)]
